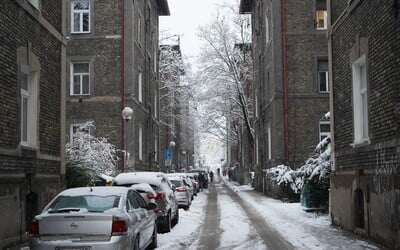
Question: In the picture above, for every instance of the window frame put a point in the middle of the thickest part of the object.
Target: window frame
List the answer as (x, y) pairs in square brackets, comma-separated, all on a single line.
[(325, 19), (140, 141), (139, 30), (267, 36), (321, 7), (361, 127), (323, 133), (256, 151), (29, 112), (81, 13), (326, 73), (81, 75), (269, 142), (155, 104), (76, 125), (140, 86)]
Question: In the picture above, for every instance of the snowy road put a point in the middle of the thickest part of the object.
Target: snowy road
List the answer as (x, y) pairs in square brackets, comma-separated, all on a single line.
[(228, 216), (226, 222)]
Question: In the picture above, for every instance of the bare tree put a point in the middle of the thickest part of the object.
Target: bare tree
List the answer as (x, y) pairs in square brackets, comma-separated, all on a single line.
[(225, 75)]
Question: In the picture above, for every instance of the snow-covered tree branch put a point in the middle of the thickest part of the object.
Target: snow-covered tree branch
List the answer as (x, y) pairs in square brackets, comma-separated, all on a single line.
[(316, 168), (226, 66), (94, 154)]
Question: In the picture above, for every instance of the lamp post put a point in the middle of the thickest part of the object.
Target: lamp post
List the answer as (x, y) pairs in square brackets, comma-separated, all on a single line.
[(172, 145), (127, 113)]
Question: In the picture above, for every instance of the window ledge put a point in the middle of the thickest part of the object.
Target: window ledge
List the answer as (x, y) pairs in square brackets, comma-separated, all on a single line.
[(366, 142)]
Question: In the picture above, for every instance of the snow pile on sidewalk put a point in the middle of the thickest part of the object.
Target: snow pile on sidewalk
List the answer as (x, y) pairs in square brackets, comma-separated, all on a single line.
[(303, 230)]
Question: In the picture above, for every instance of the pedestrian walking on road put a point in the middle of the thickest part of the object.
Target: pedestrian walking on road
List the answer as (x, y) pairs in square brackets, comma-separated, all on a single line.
[(211, 176), (202, 180)]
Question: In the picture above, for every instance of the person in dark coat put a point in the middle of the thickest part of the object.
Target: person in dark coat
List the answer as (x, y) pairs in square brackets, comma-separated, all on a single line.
[(202, 181)]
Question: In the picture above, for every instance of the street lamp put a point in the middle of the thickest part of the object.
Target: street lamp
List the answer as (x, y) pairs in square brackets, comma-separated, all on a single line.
[(127, 113)]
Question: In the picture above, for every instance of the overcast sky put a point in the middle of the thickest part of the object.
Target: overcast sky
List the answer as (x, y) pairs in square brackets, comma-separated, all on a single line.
[(186, 16)]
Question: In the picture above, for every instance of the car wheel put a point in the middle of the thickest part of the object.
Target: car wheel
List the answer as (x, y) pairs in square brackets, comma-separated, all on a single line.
[(168, 223), (136, 243), (154, 243), (176, 218)]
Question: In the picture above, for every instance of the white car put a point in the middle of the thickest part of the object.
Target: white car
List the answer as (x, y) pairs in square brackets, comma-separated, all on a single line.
[(167, 206), (187, 181), (101, 218), (146, 191), (182, 192)]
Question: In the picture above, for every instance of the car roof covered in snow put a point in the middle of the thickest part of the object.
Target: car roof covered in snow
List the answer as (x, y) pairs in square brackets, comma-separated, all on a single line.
[(152, 178), (142, 187), (101, 191)]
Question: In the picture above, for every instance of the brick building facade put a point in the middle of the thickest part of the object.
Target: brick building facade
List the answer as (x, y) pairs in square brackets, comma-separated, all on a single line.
[(176, 118), (32, 52), (365, 183), (112, 63), (290, 85)]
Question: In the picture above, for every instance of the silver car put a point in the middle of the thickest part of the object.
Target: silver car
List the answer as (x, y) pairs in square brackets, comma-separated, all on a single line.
[(167, 206), (182, 192), (95, 218)]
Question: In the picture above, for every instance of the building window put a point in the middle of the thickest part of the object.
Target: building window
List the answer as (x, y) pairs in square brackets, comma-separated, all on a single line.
[(80, 78), (34, 3), (74, 128), (155, 60), (324, 129), (321, 15), (139, 30), (155, 149), (29, 110), (140, 140), (360, 100), (140, 87), (257, 158), (269, 143), (322, 75), (80, 16), (267, 38), (155, 104), (256, 103)]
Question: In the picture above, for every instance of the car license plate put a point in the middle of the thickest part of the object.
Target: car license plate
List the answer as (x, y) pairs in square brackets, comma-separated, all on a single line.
[(73, 248)]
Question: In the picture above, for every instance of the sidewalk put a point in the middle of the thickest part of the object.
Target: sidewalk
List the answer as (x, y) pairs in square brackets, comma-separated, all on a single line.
[(304, 230)]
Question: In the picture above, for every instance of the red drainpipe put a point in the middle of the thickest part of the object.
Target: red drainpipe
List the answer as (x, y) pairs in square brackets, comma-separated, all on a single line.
[(285, 83), (122, 87)]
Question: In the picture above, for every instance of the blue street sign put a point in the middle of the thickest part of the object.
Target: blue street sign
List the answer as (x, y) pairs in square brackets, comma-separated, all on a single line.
[(168, 154)]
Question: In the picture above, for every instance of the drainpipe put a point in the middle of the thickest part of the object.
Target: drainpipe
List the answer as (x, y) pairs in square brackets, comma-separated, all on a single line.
[(285, 84), (122, 104)]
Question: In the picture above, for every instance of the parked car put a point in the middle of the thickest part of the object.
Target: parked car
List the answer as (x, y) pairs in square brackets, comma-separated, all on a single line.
[(167, 206), (195, 181), (95, 218), (202, 172), (182, 192), (186, 180), (146, 191)]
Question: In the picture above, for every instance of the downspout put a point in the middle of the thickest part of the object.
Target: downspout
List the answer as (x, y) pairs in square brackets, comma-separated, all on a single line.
[(122, 104), (285, 84)]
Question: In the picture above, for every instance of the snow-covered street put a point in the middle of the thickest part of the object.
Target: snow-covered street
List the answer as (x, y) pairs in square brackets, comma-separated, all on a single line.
[(238, 229)]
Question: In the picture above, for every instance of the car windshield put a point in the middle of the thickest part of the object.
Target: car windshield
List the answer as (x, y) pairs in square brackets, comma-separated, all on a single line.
[(92, 203), (176, 183)]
